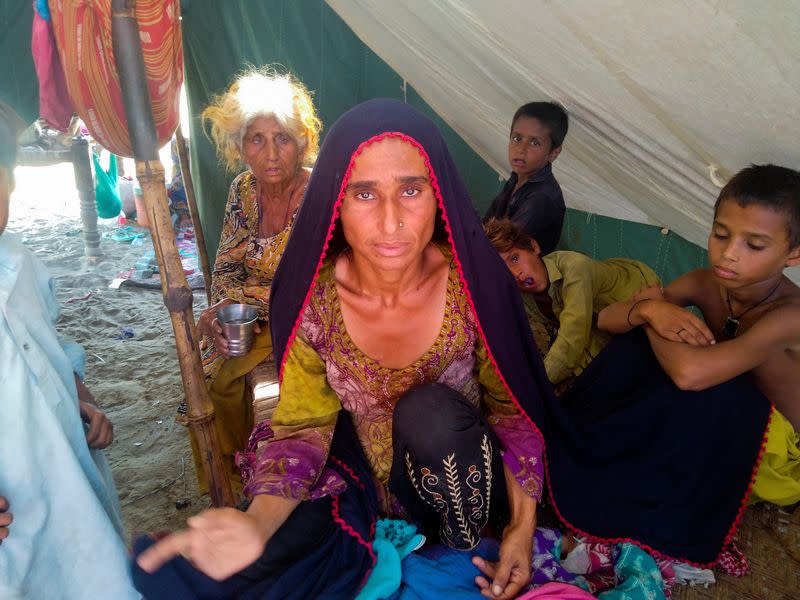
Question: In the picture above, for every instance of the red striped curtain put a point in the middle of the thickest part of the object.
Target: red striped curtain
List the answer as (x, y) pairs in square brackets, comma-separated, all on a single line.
[(83, 35)]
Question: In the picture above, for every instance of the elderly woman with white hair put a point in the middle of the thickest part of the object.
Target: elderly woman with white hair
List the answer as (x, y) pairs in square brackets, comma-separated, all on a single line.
[(266, 121)]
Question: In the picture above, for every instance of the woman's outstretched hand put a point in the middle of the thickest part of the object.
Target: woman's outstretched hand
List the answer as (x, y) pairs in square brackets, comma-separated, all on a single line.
[(220, 542), (506, 578)]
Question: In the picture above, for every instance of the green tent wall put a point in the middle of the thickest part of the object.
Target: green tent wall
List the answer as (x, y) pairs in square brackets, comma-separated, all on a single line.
[(308, 38), (18, 86)]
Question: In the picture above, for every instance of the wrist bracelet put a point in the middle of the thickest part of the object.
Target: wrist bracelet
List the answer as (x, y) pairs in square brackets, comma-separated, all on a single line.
[(630, 310)]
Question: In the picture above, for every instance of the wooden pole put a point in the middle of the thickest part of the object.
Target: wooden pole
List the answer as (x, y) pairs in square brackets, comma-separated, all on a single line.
[(177, 294), (191, 200)]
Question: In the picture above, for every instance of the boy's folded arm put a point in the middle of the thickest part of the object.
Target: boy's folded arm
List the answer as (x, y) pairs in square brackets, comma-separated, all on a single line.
[(625, 315), (700, 367)]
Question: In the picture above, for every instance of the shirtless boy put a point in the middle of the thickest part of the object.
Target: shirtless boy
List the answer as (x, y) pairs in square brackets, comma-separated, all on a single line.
[(751, 314)]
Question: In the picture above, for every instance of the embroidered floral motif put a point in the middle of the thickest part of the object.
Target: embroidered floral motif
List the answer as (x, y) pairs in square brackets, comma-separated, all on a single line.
[(370, 391), (462, 518), (246, 263)]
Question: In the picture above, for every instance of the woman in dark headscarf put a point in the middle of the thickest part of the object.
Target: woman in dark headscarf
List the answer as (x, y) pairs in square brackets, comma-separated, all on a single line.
[(411, 387), (378, 323)]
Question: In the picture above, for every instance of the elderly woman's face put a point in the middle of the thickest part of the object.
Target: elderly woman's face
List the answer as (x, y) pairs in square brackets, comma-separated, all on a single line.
[(270, 151), (389, 209)]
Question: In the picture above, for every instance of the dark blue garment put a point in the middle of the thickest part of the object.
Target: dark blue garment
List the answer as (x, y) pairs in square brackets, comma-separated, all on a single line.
[(645, 460), (624, 462), (310, 556), (537, 206)]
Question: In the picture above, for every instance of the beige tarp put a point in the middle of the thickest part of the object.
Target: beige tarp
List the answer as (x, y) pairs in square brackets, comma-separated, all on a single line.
[(667, 99)]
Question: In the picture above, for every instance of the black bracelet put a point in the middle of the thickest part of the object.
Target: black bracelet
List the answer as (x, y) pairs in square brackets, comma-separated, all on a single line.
[(630, 310)]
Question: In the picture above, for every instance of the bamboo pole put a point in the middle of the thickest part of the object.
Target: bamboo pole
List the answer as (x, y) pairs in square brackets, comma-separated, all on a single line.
[(188, 186), (176, 291)]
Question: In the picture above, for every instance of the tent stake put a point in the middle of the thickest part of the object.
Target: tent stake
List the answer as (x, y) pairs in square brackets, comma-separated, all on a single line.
[(176, 291)]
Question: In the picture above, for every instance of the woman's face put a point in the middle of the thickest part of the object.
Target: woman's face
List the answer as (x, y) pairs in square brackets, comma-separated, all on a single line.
[(270, 151), (389, 209)]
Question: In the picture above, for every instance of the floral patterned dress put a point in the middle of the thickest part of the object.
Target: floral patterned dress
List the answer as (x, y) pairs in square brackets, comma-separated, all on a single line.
[(246, 262), (325, 372)]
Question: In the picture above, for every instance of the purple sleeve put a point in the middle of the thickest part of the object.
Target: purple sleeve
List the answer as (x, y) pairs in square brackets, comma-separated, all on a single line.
[(292, 463), (521, 450), (522, 446)]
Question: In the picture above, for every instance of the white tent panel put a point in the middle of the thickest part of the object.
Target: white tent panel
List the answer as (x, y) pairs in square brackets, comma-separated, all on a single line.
[(666, 100)]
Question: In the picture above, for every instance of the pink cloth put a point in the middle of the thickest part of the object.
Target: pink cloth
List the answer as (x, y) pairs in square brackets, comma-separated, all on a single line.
[(55, 105), (557, 591)]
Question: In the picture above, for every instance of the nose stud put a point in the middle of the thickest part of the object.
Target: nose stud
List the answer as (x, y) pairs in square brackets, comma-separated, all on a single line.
[(400, 224)]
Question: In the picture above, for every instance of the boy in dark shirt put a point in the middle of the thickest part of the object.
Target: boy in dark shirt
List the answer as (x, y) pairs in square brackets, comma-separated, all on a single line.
[(532, 197)]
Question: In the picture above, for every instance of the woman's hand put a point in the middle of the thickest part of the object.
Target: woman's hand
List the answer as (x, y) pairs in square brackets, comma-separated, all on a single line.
[(208, 326), (512, 572), (5, 518), (674, 323), (220, 542)]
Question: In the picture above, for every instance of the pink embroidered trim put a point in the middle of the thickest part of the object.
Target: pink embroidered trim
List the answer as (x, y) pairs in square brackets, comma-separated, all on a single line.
[(448, 229), (349, 471), (352, 532), (743, 505)]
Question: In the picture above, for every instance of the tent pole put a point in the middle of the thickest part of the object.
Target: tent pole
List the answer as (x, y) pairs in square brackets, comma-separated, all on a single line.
[(176, 291), (191, 200)]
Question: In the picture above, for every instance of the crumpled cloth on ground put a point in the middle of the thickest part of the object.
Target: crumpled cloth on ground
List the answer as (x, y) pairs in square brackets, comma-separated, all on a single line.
[(556, 591), (394, 540), (438, 572), (732, 561)]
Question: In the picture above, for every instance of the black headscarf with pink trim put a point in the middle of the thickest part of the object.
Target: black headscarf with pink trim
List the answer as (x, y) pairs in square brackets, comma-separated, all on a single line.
[(629, 456), (495, 297)]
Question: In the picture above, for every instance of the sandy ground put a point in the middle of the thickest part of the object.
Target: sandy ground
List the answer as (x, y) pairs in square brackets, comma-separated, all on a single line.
[(136, 381)]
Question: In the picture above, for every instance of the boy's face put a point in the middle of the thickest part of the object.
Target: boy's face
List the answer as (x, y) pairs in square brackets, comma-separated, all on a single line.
[(749, 245), (530, 147), (527, 268), (6, 187)]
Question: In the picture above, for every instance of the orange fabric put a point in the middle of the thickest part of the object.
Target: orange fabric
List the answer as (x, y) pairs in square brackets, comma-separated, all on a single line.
[(83, 35)]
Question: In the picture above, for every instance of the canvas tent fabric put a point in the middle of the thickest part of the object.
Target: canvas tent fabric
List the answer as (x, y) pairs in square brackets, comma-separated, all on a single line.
[(666, 100), (312, 41), (18, 86), (718, 81), (309, 39)]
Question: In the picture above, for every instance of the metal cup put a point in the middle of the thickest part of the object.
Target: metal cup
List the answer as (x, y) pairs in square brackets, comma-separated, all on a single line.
[(237, 321)]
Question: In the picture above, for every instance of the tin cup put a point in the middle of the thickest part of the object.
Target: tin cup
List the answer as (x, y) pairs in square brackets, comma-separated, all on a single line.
[(237, 321)]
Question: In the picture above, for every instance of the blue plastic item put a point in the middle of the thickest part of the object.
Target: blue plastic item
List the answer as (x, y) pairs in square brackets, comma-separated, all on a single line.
[(106, 191)]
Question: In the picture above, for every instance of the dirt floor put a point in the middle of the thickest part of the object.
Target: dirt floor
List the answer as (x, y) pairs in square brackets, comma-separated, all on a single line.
[(135, 380)]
